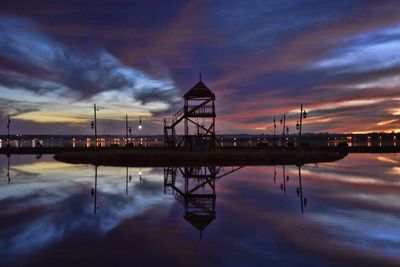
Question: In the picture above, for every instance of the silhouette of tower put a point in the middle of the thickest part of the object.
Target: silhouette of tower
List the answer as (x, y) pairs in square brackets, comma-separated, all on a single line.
[(198, 116)]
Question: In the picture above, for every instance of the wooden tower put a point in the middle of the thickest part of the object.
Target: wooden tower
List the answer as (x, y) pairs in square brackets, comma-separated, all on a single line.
[(198, 116)]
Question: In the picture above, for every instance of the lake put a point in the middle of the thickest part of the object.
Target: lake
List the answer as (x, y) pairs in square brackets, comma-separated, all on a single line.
[(345, 213)]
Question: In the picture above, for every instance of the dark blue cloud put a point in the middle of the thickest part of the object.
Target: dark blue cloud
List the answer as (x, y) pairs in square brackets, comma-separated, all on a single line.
[(70, 71)]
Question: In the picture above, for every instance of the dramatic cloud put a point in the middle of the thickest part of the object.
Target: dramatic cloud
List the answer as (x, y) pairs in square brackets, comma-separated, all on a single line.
[(270, 56), (69, 75)]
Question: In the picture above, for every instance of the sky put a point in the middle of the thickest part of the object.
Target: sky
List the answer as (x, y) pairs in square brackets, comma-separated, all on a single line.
[(261, 59)]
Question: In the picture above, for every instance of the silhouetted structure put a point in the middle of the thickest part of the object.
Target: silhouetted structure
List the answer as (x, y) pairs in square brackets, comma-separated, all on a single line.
[(198, 195), (198, 116)]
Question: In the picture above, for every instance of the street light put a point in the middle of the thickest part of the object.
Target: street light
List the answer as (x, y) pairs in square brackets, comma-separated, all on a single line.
[(303, 115), (274, 131), (127, 128), (140, 130), (8, 131), (283, 123), (94, 125)]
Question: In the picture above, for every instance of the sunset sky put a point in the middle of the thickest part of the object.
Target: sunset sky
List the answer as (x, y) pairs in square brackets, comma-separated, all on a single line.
[(261, 58)]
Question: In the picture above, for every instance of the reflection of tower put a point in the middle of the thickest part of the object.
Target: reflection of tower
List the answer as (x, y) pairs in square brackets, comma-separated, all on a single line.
[(197, 195), (169, 180)]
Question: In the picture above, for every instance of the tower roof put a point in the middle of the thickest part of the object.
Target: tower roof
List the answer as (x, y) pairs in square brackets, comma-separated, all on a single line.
[(200, 222), (199, 90)]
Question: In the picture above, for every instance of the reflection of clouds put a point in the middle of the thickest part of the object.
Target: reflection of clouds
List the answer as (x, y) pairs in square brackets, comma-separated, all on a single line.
[(395, 170), (389, 160), (256, 224), (362, 209), (353, 210), (45, 209), (360, 229)]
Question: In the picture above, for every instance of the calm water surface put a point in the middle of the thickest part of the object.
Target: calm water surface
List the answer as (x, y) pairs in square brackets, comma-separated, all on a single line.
[(345, 213)]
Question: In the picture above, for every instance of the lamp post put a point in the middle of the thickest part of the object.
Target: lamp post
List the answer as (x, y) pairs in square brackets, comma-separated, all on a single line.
[(140, 130), (8, 131), (126, 129), (303, 115), (94, 126), (283, 123), (274, 131)]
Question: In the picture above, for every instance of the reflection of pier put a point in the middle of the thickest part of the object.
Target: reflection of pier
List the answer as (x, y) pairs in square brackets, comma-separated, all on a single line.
[(197, 192)]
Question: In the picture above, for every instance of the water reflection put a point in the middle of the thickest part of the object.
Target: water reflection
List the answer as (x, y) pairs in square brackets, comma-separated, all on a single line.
[(8, 168), (196, 192), (341, 213), (197, 196), (299, 189), (94, 191)]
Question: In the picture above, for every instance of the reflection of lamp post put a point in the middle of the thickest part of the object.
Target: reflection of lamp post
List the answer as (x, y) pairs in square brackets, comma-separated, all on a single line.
[(283, 186), (94, 191), (126, 181), (303, 115), (299, 190), (140, 175), (274, 173), (8, 167)]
